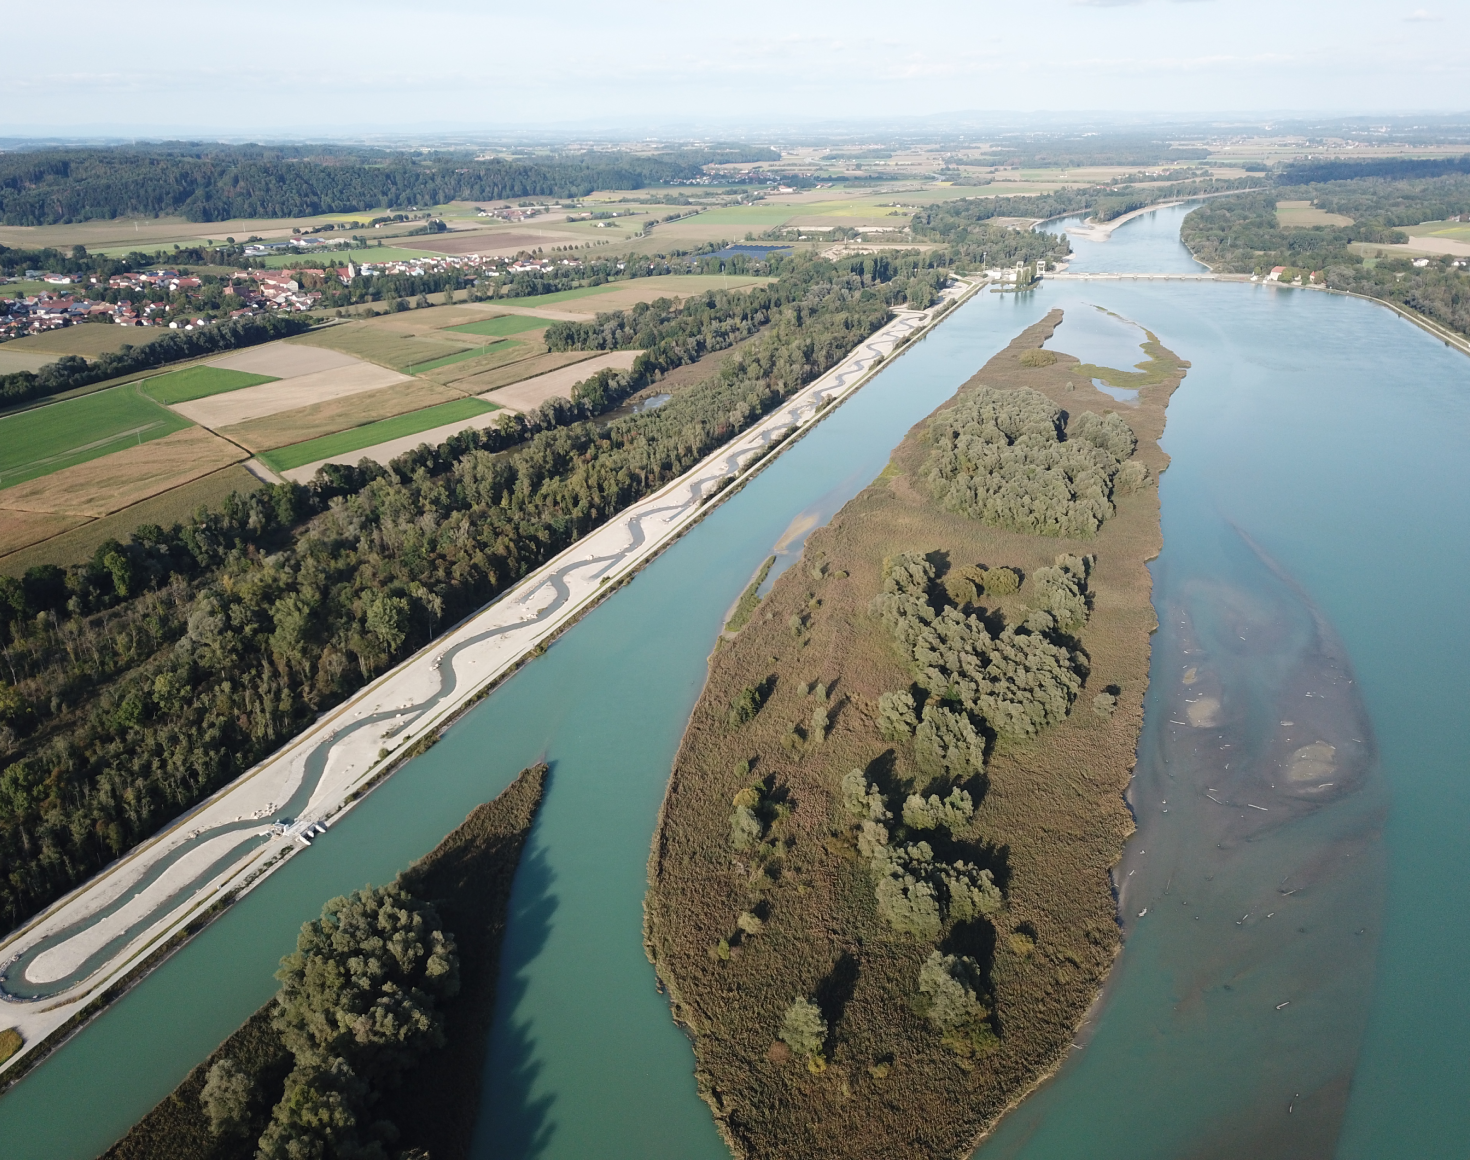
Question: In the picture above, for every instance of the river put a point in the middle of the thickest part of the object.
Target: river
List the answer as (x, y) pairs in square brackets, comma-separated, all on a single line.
[(1315, 500)]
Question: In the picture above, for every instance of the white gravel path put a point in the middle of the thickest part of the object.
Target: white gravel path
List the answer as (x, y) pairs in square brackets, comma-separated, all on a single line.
[(394, 711)]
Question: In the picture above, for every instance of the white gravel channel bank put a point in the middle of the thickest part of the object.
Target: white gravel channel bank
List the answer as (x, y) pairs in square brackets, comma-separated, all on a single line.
[(68, 956)]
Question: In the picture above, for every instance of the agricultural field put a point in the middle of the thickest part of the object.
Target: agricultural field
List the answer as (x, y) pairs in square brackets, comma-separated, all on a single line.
[(50, 538), (14, 361), (286, 394), (1303, 214), (47, 439), (346, 442), (493, 355), (496, 377), (332, 415), (199, 382), (88, 340), (1454, 231), (397, 344), (112, 482), (502, 326), (529, 394)]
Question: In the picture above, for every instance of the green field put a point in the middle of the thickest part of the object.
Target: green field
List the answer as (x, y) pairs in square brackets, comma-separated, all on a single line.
[(36, 443), (1455, 231), (342, 257), (451, 359), (758, 215), (199, 383), (384, 345), (500, 327), (371, 434), (564, 295)]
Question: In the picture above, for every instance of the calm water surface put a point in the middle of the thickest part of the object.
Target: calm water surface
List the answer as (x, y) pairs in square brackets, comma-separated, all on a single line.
[(1315, 507)]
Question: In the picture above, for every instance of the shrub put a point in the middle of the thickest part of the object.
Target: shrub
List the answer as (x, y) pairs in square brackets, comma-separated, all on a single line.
[(1001, 582), (1110, 432), (1038, 358), (948, 998), (933, 813), (917, 893), (817, 727), (897, 719), (1061, 591), (1016, 682), (745, 828), (946, 744), (11, 1041), (358, 1006), (745, 706)]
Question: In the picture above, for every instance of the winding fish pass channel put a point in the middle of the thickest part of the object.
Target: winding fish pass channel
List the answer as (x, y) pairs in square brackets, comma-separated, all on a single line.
[(62, 960)]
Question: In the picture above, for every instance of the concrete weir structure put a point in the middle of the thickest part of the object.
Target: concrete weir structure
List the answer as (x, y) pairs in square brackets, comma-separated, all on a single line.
[(63, 964)]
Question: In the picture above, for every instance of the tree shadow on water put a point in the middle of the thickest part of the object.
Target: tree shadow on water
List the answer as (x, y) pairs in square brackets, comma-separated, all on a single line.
[(515, 1121)]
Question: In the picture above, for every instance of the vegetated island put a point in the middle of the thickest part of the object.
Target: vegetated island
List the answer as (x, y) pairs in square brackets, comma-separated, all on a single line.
[(378, 1057), (880, 895)]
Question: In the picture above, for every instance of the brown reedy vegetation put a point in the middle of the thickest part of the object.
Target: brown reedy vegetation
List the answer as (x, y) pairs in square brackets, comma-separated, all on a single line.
[(739, 928)]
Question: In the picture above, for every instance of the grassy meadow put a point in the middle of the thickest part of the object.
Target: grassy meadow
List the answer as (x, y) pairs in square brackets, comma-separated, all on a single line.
[(46, 439), (737, 931)]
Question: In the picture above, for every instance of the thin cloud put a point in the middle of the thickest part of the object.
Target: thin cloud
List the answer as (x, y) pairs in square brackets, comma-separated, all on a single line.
[(1422, 16)]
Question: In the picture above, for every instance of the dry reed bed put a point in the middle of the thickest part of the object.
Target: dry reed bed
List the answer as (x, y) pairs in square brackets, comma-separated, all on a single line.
[(1051, 825)]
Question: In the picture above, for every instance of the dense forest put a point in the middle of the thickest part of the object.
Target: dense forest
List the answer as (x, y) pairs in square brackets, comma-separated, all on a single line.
[(208, 183), (141, 682), (1244, 235), (1400, 168)]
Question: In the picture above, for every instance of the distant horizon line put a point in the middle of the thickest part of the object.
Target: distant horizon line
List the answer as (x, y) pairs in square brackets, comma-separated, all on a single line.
[(622, 129)]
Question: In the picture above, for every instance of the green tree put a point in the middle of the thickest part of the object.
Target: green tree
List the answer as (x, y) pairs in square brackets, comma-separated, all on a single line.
[(804, 1029), (358, 1005), (226, 1098)]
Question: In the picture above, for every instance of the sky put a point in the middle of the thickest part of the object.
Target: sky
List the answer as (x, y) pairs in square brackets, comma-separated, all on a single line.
[(268, 67)]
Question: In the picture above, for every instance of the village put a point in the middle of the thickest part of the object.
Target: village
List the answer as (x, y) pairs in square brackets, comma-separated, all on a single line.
[(180, 300)]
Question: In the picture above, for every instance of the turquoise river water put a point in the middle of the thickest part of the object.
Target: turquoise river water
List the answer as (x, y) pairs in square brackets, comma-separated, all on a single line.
[(1315, 544)]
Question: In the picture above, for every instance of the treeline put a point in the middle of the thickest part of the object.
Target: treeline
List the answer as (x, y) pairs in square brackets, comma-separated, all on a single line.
[(1398, 168), (71, 371), (77, 261), (967, 220), (145, 680), (216, 182), (720, 318), (526, 283), (1243, 235)]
